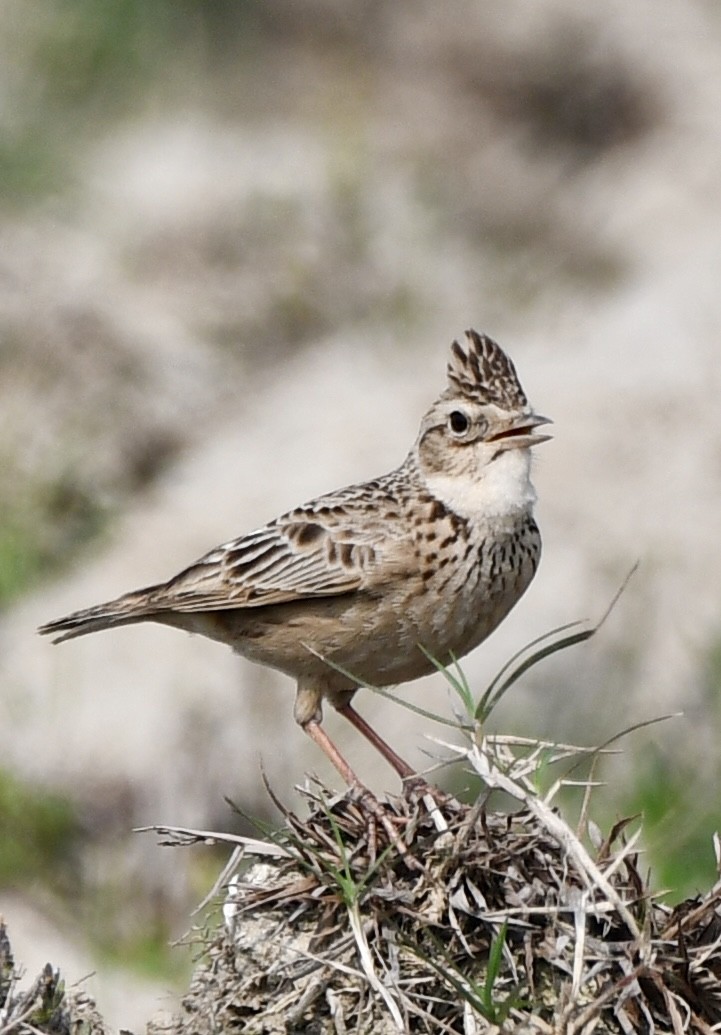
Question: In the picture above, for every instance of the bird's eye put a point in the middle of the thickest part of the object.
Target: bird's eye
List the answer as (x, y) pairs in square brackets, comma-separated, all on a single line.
[(458, 422)]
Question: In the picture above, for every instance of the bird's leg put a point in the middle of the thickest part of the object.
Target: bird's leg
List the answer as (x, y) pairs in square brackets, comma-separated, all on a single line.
[(316, 733), (401, 767), (412, 781), (367, 798), (308, 713)]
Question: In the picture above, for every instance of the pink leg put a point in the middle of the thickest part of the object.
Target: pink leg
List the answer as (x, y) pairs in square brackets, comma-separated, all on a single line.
[(375, 810), (316, 733), (400, 766), (412, 782)]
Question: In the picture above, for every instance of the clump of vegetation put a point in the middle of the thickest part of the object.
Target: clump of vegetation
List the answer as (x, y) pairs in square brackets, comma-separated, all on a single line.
[(496, 915), (485, 919), (47, 1006)]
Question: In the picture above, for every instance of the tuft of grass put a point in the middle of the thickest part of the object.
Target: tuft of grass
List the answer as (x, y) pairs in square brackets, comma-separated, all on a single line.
[(469, 915), (482, 997), (503, 919)]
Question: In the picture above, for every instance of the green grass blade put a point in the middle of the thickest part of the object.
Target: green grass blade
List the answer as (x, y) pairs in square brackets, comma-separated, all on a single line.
[(458, 683), (424, 712), (520, 653), (499, 686), (451, 975), (545, 652), (495, 957)]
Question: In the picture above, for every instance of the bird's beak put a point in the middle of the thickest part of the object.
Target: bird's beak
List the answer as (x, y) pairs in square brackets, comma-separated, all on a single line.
[(518, 431)]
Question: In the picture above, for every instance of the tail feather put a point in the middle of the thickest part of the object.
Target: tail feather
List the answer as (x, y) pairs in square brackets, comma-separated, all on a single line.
[(125, 610)]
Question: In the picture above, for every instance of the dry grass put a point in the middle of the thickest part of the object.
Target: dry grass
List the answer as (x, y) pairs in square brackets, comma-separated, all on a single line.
[(495, 916), (493, 919), (47, 1005)]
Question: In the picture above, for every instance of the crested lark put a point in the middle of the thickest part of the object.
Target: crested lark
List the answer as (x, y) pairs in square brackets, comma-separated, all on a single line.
[(370, 579)]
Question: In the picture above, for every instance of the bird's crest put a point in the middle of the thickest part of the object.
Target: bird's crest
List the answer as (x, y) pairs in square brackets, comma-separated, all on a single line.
[(483, 372)]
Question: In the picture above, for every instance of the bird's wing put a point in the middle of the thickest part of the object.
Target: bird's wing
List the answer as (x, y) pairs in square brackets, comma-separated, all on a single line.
[(312, 551)]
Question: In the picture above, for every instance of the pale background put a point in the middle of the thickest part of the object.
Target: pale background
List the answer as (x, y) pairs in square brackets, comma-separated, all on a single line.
[(236, 243)]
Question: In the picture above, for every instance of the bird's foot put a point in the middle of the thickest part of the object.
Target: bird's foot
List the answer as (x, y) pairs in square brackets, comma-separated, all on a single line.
[(379, 816), (417, 788), (419, 792)]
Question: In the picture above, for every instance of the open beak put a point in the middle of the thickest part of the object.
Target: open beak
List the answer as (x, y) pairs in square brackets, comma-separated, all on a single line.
[(519, 432)]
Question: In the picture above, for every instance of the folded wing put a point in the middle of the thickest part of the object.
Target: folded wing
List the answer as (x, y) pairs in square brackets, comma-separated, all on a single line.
[(299, 555)]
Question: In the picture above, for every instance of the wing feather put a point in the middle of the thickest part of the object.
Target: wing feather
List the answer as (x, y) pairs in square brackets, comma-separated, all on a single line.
[(302, 554)]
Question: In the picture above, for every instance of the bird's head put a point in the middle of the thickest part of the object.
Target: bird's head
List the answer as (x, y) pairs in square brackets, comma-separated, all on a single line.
[(481, 427)]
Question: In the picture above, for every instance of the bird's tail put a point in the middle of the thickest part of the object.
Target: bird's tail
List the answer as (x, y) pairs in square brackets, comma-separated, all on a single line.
[(131, 607)]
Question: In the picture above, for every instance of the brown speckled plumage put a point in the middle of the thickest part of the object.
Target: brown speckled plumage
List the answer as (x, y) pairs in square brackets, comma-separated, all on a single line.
[(367, 579)]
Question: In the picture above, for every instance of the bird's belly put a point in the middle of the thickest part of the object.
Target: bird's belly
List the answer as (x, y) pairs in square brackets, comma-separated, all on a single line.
[(385, 637), (339, 642)]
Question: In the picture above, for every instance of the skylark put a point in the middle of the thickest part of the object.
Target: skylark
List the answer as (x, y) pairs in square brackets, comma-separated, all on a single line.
[(362, 585)]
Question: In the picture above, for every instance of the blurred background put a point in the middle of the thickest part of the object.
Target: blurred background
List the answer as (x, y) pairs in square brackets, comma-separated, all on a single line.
[(236, 241)]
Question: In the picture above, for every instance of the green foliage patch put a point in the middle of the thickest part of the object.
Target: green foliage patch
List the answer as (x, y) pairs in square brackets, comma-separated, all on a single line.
[(39, 831)]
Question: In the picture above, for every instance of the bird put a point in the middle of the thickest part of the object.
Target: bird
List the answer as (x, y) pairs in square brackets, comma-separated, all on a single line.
[(376, 583)]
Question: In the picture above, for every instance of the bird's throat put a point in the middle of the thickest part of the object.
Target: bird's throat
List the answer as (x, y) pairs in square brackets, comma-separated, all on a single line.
[(501, 488)]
